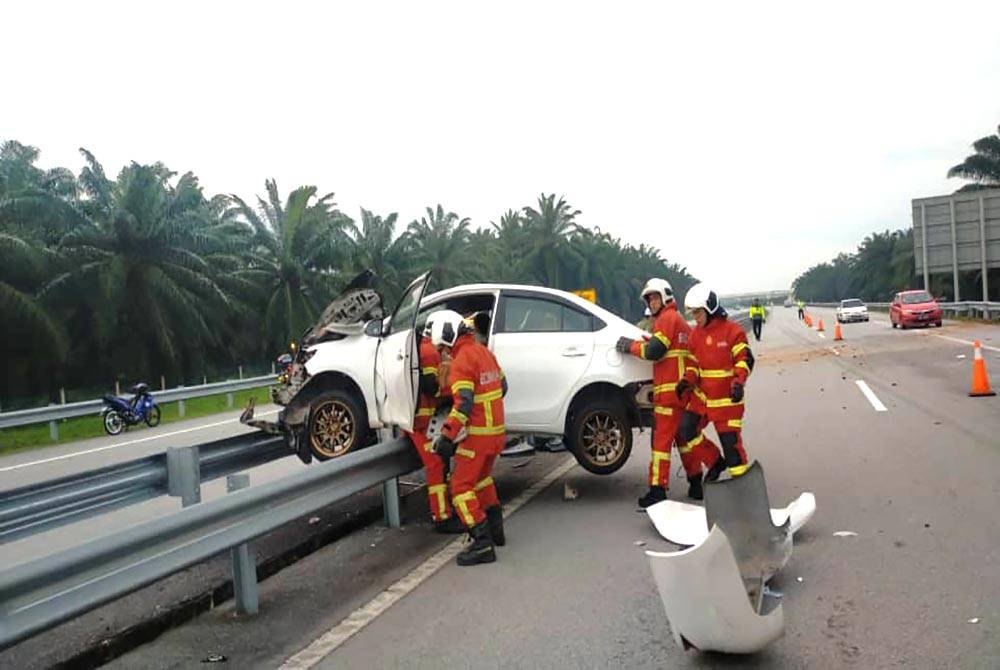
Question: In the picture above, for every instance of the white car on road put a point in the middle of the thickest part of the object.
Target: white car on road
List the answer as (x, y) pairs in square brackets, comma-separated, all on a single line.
[(852, 309), (357, 371)]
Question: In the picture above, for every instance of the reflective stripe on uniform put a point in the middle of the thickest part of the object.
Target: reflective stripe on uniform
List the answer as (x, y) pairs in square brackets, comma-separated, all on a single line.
[(461, 502), (438, 491), (664, 388), (483, 483), (716, 402), (666, 411), (743, 364), (654, 471), (459, 416), (425, 411), (429, 446), (716, 374), (738, 470), (429, 371), (468, 453), (738, 347), (735, 423), (459, 385), (486, 430)]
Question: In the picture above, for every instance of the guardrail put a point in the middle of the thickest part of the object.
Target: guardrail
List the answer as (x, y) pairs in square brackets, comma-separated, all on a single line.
[(46, 505), (47, 591), (53, 413)]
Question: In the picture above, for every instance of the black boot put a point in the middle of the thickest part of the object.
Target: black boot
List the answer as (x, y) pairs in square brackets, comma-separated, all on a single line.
[(494, 516), (450, 526), (481, 548), (695, 491), (654, 495), (716, 470)]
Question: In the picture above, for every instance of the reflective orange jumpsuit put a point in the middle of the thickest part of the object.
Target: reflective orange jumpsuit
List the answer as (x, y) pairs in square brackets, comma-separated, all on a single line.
[(722, 356), (477, 388), (668, 348), (430, 393)]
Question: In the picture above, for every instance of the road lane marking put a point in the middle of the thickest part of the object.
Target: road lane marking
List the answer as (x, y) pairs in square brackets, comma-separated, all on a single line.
[(969, 342), (872, 398), (128, 443), (327, 643)]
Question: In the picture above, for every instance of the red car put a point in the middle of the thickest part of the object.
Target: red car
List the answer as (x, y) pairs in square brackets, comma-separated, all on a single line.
[(914, 308)]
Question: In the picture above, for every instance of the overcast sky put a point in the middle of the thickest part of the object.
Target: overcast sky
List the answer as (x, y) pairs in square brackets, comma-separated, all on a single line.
[(747, 141)]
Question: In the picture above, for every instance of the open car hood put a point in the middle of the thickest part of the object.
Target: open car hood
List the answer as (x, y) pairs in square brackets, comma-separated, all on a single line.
[(348, 313)]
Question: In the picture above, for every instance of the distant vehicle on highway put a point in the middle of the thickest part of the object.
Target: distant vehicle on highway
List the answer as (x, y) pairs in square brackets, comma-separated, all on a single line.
[(914, 308), (119, 413), (357, 370), (788, 302), (852, 309)]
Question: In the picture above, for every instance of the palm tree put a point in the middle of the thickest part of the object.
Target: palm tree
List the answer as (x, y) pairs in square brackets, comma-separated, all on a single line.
[(550, 227), (137, 273), (439, 244), (295, 249), (982, 167), (376, 247)]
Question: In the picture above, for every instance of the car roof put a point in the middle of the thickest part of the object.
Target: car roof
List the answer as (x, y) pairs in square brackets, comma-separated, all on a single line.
[(565, 295)]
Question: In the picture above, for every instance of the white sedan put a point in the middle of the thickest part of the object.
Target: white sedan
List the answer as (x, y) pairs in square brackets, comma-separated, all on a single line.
[(357, 371), (852, 309)]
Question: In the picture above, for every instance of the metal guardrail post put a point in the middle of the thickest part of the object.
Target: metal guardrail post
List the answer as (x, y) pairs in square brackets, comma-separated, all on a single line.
[(390, 490), (229, 400), (180, 405), (184, 474), (53, 427), (244, 567)]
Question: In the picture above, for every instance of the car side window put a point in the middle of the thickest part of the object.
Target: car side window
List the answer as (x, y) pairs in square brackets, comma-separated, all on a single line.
[(535, 315)]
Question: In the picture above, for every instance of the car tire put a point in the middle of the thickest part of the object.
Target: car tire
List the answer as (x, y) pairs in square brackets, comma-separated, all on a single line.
[(600, 435), (338, 424), (938, 324)]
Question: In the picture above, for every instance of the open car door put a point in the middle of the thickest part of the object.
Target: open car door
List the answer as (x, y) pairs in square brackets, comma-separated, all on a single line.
[(397, 360)]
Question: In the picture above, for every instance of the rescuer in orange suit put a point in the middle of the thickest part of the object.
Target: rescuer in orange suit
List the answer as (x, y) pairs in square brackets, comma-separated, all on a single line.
[(430, 396), (477, 388), (715, 384), (668, 349)]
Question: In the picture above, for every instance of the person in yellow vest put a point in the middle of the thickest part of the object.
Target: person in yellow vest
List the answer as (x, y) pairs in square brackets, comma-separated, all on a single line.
[(757, 317)]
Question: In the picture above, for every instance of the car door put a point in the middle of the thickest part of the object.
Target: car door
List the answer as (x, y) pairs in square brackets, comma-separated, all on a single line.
[(397, 360), (894, 309), (544, 346)]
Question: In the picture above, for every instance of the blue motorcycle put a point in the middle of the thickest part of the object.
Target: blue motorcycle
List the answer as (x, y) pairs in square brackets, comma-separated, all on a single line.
[(119, 413)]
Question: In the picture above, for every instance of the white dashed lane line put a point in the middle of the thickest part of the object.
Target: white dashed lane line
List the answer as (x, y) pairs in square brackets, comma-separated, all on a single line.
[(872, 398), (968, 342), (126, 443)]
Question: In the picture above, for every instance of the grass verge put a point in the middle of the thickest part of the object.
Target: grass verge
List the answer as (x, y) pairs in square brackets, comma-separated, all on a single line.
[(82, 427)]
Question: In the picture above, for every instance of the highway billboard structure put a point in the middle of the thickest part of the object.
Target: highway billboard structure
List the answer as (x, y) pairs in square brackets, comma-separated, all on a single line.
[(962, 231)]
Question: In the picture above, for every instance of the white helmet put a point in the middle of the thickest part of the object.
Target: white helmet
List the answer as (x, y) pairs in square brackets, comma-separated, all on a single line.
[(446, 327), (661, 286), (700, 296), (426, 332)]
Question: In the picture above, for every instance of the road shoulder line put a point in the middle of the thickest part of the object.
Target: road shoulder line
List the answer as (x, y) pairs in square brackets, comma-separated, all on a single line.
[(872, 398)]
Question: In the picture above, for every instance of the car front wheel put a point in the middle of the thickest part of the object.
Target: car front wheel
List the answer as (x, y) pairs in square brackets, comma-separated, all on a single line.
[(338, 424), (600, 435)]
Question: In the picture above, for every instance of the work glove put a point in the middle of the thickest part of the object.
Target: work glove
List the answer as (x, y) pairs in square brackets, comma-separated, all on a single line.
[(624, 345), (683, 386), (444, 447), (736, 392)]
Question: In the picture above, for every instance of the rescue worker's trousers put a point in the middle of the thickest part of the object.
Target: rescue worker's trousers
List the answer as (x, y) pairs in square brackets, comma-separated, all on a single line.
[(437, 486), (758, 325), (666, 423), (728, 423), (472, 488)]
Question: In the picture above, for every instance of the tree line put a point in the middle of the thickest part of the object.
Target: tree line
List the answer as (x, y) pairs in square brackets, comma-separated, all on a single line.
[(144, 274)]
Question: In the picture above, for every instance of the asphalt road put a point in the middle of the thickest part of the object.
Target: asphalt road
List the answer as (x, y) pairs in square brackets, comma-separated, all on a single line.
[(916, 482)]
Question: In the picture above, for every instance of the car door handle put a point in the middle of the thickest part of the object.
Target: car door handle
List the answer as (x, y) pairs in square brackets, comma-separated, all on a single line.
[(573, 352)]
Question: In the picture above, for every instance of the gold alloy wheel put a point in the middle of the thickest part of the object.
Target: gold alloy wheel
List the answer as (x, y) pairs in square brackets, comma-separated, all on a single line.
[(333, 432), (602, 439)]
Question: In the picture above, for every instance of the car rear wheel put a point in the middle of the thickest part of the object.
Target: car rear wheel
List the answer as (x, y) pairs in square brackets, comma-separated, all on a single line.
[(600, 435), (338, 424)]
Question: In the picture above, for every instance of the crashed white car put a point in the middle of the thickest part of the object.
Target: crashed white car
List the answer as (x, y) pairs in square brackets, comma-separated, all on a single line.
[(357, 371)]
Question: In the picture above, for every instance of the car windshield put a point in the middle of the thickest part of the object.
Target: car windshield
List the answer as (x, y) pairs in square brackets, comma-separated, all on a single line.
[(851, 303), (915, 298)]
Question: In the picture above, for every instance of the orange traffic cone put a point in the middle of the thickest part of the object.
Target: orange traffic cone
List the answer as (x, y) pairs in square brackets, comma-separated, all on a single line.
[(836, 333), (980, 382), (819, 328), (808, 320)]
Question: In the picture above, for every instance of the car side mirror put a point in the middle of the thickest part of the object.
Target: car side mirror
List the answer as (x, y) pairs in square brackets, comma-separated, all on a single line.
[(374, 328)]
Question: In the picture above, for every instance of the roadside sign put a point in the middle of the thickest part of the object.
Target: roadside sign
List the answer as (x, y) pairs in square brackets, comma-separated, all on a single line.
[(587, 294)]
